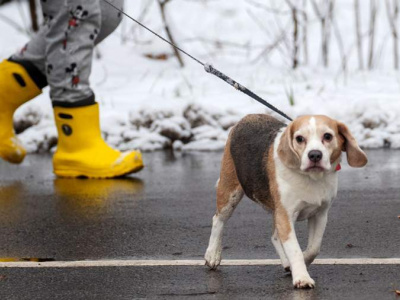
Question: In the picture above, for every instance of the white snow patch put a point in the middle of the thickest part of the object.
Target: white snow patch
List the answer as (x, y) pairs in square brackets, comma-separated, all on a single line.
[(40, 138)]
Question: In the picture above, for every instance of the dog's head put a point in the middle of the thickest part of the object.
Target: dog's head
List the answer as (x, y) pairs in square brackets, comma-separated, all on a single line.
[(314, 144)]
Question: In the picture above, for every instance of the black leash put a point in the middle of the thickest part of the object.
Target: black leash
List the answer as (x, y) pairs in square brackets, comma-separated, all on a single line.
[(210, 69)]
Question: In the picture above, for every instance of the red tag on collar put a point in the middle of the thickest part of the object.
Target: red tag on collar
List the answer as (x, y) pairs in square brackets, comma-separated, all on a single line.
[(338, 167)]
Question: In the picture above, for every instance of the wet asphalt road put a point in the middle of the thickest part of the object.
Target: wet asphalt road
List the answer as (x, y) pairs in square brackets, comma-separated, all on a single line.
[(234, 282), (165, 213)]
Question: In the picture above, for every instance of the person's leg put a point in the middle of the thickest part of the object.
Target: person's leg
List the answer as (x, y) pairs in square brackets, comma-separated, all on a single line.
[(70, 42), (70, 90), (23, 75), (76, 28), (34, 52), (69, 51)]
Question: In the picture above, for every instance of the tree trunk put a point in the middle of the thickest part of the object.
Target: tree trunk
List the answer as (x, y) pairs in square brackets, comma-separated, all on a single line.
[(358, 34), (305, 32), (295, 37), (395, 34), (325, 18), (32, 10), (341, 47), (392, 14), (372, 25)]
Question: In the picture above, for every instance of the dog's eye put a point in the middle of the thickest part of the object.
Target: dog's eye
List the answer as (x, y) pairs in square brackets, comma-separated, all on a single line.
[(300, 139), (328, 137)]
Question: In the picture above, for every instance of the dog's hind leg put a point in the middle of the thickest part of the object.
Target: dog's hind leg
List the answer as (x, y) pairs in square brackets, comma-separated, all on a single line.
[(231, 198), (229, 194)]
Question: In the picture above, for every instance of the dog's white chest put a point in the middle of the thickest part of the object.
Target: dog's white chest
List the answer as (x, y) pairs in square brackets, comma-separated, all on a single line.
[(304, 196)]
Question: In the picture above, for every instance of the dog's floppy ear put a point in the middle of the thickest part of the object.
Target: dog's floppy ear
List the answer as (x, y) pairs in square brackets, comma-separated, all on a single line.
[(286, 152), (355, 156)]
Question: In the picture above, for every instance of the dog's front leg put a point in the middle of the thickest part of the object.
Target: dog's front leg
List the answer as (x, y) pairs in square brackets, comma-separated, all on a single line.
[(287, 235), (316, 229)]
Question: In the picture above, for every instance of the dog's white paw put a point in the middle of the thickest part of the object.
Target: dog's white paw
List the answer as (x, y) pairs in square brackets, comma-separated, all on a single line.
[(213, 258), (303, 281)]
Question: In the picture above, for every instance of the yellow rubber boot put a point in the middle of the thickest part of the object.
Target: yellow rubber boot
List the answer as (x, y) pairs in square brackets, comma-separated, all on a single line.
[(82, 152), (16, 88)]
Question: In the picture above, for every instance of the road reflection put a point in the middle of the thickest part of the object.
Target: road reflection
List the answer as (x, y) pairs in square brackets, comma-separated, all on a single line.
[(90, 197), (10, 202)]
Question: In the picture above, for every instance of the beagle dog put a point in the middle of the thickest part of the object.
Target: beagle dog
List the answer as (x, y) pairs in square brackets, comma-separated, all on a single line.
[(289, 170)]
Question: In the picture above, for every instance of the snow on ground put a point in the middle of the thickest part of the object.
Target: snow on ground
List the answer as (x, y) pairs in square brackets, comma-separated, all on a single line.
[(154, 104)]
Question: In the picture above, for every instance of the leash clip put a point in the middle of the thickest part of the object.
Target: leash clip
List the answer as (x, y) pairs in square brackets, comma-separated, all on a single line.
[(208, 68)]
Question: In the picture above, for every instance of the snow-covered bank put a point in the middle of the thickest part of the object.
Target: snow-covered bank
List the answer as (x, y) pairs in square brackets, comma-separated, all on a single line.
[(194, 129), (197, 128)]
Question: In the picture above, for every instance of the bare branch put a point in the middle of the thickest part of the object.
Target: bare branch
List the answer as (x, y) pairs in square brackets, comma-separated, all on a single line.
[(275, 45), (316, 9), (267, 8), (340, 46), (14, 24), (167, 30)]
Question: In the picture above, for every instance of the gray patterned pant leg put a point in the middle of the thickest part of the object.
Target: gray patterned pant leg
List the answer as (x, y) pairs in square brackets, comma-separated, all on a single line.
[(63, 47)]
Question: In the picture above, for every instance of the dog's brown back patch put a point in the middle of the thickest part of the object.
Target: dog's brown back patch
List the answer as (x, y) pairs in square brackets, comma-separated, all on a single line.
[(251, 140)]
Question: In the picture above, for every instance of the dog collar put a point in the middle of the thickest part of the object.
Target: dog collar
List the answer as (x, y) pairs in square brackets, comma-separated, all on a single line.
[(338, 167)]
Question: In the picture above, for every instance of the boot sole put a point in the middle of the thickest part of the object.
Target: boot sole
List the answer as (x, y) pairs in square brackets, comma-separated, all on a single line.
[(75, 173), (12, 157)]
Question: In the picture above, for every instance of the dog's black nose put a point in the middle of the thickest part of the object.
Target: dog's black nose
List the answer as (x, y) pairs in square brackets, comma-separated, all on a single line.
[(315, 155)]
